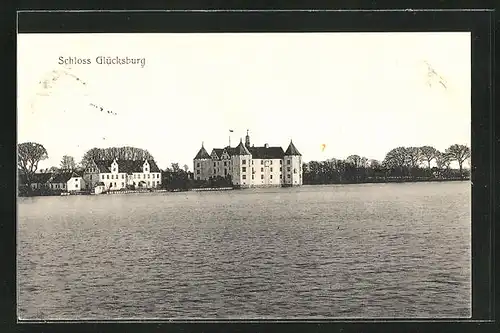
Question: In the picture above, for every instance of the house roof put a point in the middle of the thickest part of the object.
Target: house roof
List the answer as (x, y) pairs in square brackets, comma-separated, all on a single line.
[(202, 154), (127, 166), (61, 177), (42, 177), (291, 150)]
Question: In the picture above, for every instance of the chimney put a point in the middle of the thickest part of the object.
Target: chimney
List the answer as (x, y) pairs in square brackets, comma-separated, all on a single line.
[(266, 145)]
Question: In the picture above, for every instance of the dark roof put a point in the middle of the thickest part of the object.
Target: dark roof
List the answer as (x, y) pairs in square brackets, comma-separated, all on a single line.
[(217, 151), (202, 154), (153, 167), (291, 150), (267, 153), (42, 177), (241, 150), (103, 165), (127, 166), (62, 177), (230, 151)]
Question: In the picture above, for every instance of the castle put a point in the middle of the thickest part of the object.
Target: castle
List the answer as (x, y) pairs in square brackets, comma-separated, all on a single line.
[(250, 166)]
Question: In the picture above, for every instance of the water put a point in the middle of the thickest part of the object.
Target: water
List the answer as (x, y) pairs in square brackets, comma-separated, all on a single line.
[(344, 251)]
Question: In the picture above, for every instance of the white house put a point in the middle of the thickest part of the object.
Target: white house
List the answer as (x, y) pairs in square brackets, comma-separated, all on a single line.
[(67, 181), (118, 174)]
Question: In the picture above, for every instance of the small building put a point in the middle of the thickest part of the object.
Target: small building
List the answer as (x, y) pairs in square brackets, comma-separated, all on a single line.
[(67, 181), (99, 188), (41, 180)]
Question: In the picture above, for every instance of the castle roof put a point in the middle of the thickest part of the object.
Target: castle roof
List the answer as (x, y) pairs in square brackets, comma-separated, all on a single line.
[(202, 154), (241, 149), (291, 150), (267, 152)]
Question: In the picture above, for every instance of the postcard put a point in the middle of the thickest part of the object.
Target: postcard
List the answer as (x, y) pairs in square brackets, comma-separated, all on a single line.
[(244, 176)]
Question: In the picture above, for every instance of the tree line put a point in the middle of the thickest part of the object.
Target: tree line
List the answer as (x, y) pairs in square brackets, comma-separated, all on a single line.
[(401, 163), (404, 163)]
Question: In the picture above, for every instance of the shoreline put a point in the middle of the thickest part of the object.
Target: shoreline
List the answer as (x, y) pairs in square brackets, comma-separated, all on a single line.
[(211, 189)]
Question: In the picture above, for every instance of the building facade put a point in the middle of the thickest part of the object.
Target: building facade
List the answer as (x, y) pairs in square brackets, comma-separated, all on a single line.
[(120, 174), (250, 166)]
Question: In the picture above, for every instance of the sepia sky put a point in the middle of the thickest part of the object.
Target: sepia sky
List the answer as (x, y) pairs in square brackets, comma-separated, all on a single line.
[(356, 93)]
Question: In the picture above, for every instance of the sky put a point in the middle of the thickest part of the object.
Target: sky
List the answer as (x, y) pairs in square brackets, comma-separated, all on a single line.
[(354, 93)]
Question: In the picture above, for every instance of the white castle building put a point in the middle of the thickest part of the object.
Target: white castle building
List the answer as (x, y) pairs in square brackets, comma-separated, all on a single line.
[(250, 166)]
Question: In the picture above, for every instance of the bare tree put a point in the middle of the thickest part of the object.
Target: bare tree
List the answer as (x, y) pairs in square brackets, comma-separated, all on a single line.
[(68, 163), (29, 155), (427, 154), (186, 168), (355, 160), (459, 153), (443, 160), (396, 158), (175, 167), (413, 156)]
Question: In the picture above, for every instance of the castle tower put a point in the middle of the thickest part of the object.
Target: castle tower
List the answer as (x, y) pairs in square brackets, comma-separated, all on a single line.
[(241, 166), (292, 167), (247, 140), (202, 164)]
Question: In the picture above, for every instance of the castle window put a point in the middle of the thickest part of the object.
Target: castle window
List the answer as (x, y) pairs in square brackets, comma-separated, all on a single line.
[(114, 169), (146, 169), (288, 169), (288, 176), (288, 162), (271, 162), (148, 175), (107, 176), (244, 177), (281, 169), (123, 184), (294, 170), (261, 169), (102, 176), (244, 162), (115, 184), (123, 176), (261, 176), (252, 162), (281, 161), (225, 172), (252, 177), (271, 169), (243, 169), (225, 163), (214, 165), (198, 165), (271, 176), (198, 172), (261, 161)]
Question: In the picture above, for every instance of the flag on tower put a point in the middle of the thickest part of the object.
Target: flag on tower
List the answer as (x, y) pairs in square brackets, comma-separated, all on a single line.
[(231, 131)]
